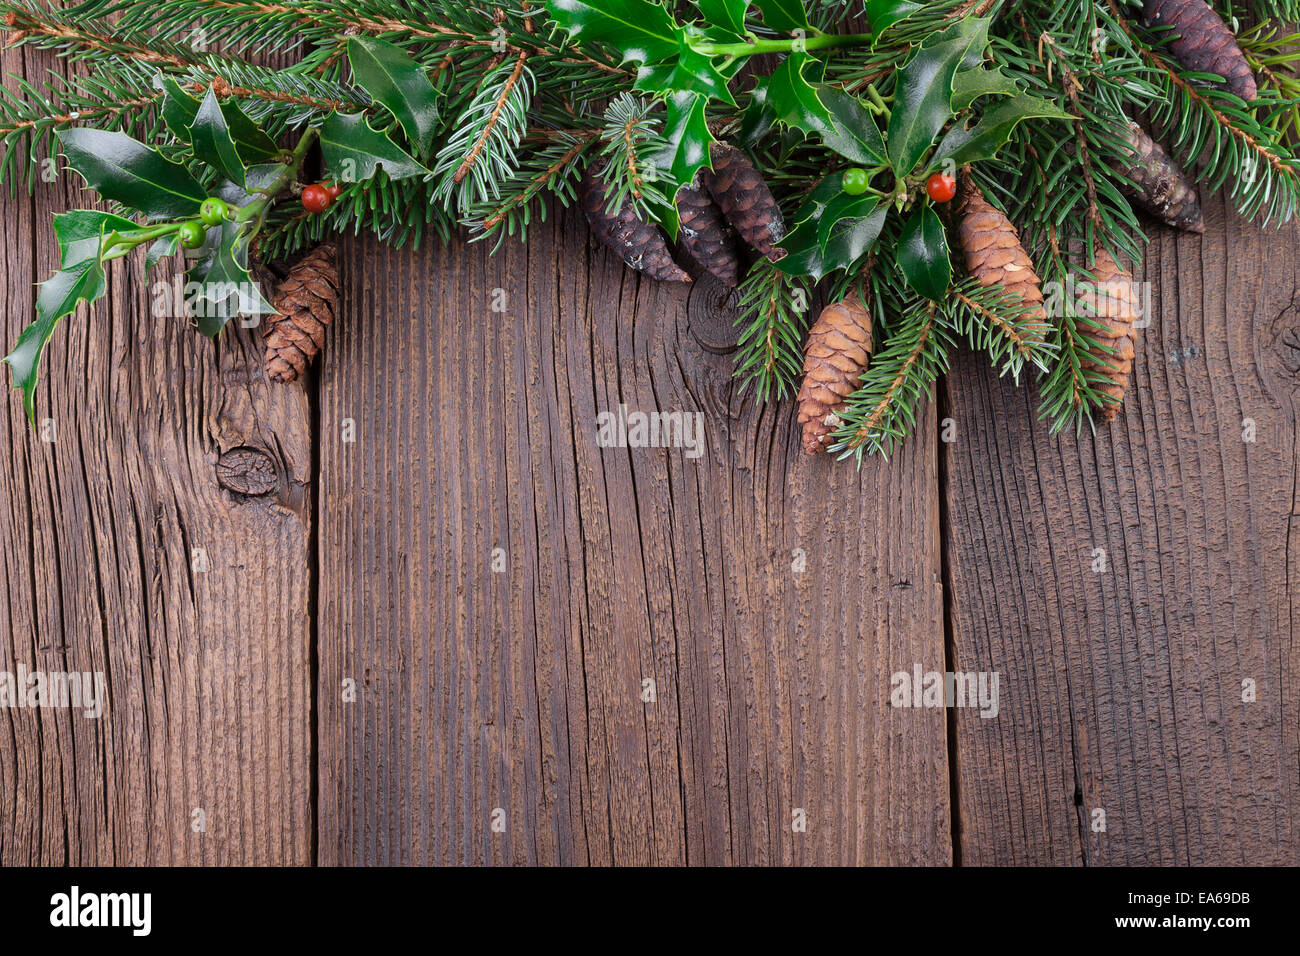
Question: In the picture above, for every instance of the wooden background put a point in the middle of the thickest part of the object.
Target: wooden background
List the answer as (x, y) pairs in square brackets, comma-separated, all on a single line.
[(438, 431)]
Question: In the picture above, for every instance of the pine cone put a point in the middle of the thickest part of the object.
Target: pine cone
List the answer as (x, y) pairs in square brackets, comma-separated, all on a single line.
[(706, 237), (640, 244), (994, 254), (1202, 42), (839, 345), (1111, 300), (738, 189), (305, 302), (1159, 184)]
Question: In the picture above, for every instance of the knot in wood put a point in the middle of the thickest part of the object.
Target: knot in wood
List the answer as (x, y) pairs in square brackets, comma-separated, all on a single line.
[(247, 471), (711, 316)]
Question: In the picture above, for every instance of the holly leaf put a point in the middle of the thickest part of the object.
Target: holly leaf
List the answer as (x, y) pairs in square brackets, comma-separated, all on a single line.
[(923, 254), (883, 14), (784, 15), (225, 286), (688, 71), (161, 249), (642, 31), (923, 99), (353, 151), (180, 111), (802, 244), (212, 142), (728, 14), (125, 170), (687, 137), (59, 295), (991, 133), (843, 206), (970, 85), (852, 237), (852, 132), (397, 82), (793, 100), (80, 232)]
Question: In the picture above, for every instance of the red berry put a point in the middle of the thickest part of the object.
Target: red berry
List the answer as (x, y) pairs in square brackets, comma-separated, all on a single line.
[(941, 187), (315, 199), (334, 190)]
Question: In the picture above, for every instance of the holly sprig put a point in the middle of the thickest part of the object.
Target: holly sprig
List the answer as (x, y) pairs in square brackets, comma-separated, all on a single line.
[(211, 190)]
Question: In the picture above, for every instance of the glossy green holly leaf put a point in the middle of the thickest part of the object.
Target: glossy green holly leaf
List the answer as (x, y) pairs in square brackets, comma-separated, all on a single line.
[(687, 138), (399, 84), (161, 249), (923, 254), (923, 99), (756, 119), (843, 206), (59, 296), (641, 30), (970, 85), (853, 132), (180, 110), (991, 133), (852, 237), (125, 170), (688, 71), (728, 14), (803, 246), (784, 15), (883, 14), (80, 232), (793, 101), (225, 287), (353, 151), (211, 140)]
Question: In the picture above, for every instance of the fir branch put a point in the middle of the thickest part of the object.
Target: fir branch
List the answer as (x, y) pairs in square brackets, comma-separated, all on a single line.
[(554, 169), (481, 152), (1000, 324), (769, 353), (883, 409), (632, 136)]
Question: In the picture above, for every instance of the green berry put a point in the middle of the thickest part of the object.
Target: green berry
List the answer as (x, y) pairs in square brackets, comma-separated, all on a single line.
[(855, 181), (213, 211), (192, 234)]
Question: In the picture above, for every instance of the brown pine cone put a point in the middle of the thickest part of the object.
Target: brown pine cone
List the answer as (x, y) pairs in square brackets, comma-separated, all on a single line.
[(305, 302), (737, 187), (994, 255), (1111, 299), (839, 346), (1159, 184), (640, 244), (1202, 42), (706, 237)]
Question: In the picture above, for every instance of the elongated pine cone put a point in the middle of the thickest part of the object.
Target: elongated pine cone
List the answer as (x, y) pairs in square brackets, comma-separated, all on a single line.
[(1111, 299), (1202, 42), (1159, 184), (706, 237), (737, 187), (305, 302), (839, 346), (993, 253), (640, 244)]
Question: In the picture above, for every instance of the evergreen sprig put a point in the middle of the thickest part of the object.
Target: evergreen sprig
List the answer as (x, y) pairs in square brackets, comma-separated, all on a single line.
[(433, 115)]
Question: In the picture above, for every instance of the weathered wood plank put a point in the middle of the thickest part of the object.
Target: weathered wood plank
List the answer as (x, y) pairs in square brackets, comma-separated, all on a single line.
[(208, 672), (1121, 690), (521, 690)]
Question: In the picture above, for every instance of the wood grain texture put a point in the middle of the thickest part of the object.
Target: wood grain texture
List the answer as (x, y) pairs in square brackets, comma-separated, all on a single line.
[(522, 690), (1122, 690), (208, 672)]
